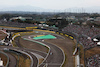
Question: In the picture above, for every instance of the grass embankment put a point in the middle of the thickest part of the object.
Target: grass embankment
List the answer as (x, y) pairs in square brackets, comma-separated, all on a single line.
[(41, 60), (14, 44), (92, 51), (24, 62)]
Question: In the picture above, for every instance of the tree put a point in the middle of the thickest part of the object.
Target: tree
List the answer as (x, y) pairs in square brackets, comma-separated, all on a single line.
[(7, 16)]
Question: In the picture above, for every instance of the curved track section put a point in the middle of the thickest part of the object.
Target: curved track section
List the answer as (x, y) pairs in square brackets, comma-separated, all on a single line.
[(34, 60), (55, 57), (12, 59)]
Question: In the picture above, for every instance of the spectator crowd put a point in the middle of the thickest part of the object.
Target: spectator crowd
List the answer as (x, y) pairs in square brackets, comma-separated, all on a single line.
[(93, 61), (85, 34)]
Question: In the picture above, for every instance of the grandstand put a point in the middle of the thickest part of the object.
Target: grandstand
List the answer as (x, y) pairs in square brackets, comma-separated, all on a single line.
[(85, 34), (89, 37)]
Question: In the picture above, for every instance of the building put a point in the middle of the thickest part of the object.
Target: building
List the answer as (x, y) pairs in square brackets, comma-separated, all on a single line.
[(21, 18)]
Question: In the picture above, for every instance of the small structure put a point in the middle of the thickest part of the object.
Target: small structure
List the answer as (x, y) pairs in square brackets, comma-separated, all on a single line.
[(77, 61), (98, 43), (1, 63), (21, 18)]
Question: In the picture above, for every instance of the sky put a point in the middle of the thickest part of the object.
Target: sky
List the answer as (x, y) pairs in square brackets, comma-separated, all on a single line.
[(51, 4)]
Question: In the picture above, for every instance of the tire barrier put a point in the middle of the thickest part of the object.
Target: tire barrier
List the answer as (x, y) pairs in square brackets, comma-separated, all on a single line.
[(66, 34)]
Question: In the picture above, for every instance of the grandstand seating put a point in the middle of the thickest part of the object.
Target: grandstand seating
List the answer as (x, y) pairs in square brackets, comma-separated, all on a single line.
[(86, 34)]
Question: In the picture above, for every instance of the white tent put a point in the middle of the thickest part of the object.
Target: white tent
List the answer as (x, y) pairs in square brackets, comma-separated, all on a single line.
[(95, 39), (98, 43), (1, 62)]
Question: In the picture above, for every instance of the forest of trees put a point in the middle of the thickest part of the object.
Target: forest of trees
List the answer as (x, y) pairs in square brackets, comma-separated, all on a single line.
[(57, 22)]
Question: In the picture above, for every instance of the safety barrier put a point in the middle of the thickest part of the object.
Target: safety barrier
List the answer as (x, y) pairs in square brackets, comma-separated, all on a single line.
[(29, 28), (66, 34)]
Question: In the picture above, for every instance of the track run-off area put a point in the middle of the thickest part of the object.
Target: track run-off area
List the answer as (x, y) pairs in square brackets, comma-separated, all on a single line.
[(59, 54)]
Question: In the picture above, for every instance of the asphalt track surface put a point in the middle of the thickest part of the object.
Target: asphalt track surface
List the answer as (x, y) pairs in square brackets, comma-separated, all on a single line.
[(34, 58), (31, 50), (55, 57), (12, 59)]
